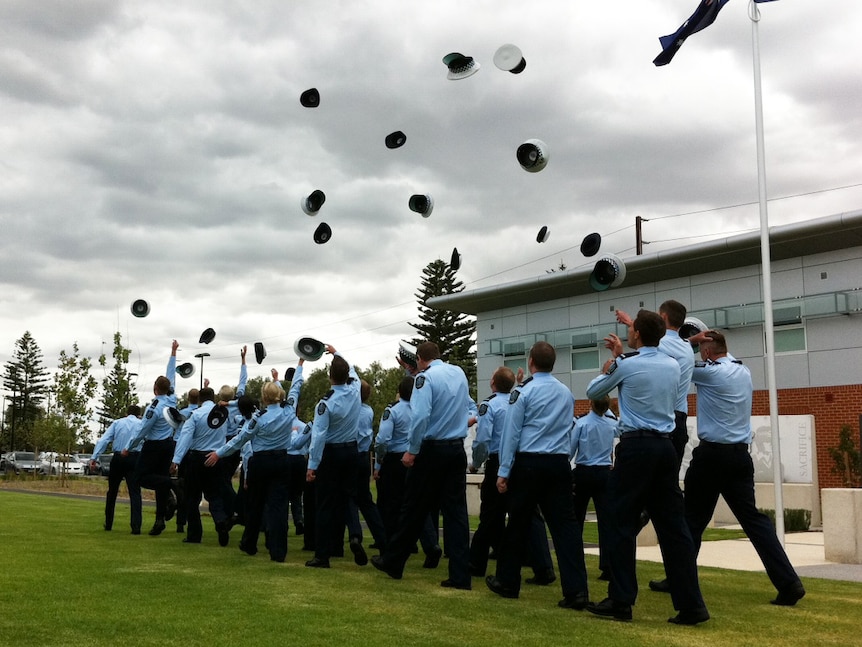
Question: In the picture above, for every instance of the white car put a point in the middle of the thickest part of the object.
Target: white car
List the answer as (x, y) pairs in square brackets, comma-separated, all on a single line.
[(54, 463)]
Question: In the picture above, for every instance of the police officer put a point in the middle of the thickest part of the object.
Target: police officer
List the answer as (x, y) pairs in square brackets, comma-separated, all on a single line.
[(154, 462), (332, 459), (592, 450), (119, 435), (721, 464), (196, 439), (534, 471), (390, 473), (645, 473), (437, 468), (229, 397), (185, 412), (269, 434)]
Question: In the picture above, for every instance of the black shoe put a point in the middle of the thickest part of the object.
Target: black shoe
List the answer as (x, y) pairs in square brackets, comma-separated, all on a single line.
[(136, 531), (660, 586), (300, 529), (157, 528), (604, 576), (475, 571), (449, 584), (543, 579), (359, 556), (248, 550), (316, 562), (499, 588), (433, 558), (223, 534), (171, 507), (789, 596), (378, 563), (107, 527), (186, 540), (690, 617), (577, 602), (608, 608)]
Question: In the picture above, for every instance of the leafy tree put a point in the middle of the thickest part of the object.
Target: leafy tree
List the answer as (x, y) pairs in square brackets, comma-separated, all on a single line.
[(453, 332), (384, 387), (846, 458), (25, 377), (74, 389), (313, 389), (117, 387)]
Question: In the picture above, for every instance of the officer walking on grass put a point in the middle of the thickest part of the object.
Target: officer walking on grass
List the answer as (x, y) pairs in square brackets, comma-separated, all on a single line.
[(119, 435)]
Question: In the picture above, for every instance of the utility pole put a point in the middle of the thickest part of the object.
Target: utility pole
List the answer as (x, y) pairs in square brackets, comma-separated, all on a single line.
[(639, 241)]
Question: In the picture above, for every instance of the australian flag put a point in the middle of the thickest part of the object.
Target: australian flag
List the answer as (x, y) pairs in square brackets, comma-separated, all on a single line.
[(702, 18)]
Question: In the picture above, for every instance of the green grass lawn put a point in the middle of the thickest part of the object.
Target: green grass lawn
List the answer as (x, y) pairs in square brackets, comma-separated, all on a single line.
[(65, 581)]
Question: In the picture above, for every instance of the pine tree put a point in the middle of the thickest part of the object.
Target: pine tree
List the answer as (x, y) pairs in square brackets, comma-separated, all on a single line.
[(25, 377), (453, 332), (117, 393)]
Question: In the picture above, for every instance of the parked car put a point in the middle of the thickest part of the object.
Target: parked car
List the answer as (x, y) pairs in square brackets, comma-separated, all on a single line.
[(54, 463), (88, 471), (23, 462), (105, 464), (5, 460)]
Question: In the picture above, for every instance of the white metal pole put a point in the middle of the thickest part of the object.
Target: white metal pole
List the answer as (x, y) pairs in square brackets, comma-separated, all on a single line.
[(769, 334)]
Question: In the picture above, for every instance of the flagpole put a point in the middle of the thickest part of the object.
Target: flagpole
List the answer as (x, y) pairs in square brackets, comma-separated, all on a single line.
[(754, 15)]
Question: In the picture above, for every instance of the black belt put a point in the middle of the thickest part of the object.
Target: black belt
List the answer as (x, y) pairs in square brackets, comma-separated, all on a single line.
[(271, 452), (644, 433), (199, 452), (458, 442), (736, 447), (578, 466), (342, 445)]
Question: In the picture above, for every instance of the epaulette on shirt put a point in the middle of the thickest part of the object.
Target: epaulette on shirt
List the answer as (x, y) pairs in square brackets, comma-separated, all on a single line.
[(700, 364), (329, 394), (736, 361), (631, 354)]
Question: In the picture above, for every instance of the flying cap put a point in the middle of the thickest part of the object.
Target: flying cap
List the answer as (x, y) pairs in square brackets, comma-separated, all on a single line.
[(217, 417), (609, 272), (207, 336), (310, 98), (259, 351), (309, 349), (312, 202), (460, 66), (422, 204), (140, 308), (455, 261), (407, 352), (186, 369), (590, 244), (691, 327), (509, 59), (532, 155), (322, 234), (396, 139), (173, 417), (543, 235)]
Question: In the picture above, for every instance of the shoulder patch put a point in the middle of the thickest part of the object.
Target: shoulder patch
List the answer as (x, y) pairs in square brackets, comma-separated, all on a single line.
[(329, 394), (307, 429), (150, 412), (513, 396), (386, 414), (419, 382), (483, 409), (252, 423), (321, 408), (291, 401), (612, 367)]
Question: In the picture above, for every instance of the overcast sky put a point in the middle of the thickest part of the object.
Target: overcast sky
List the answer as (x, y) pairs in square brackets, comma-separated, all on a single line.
[(158, 150)]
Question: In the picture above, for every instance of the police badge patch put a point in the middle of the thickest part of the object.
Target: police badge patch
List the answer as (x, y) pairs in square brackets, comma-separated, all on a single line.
[(513, 398), (419, 382), (483, 409), (290, 402), (386, 414), (321, 408)]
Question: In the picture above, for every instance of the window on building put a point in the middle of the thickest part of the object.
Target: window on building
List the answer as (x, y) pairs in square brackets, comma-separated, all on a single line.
[(585, 359), (516, 363), (789, 339)]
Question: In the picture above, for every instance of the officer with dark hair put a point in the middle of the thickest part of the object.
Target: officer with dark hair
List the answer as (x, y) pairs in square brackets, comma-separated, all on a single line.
[(437, 468), (119, 435), (645, 473), (153, 471)]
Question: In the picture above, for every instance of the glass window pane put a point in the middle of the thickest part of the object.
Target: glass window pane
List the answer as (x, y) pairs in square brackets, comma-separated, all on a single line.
[(790, 339), (584, 360)]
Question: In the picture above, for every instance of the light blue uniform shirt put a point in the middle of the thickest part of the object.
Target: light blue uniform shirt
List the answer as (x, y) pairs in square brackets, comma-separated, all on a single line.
[(186, 412), (269, 429), (539, 420), (300, 438), (648, 383), (366, 429), (593, 439), (392, 430), (154, 426), (232, 426), (196, 434), (723, 401), (441, 405), (491, 417), (336, 419), (672, 344), (119, 434)]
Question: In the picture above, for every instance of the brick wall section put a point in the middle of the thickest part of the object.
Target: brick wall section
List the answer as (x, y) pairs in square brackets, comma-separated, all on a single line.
[(832, 408)]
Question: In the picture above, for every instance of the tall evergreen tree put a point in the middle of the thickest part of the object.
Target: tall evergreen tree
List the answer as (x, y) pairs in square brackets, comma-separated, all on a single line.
[(117, 393), (453, 332), (25, 378)]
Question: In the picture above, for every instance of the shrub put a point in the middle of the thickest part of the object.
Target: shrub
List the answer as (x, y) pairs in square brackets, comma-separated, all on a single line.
[(795, 519)]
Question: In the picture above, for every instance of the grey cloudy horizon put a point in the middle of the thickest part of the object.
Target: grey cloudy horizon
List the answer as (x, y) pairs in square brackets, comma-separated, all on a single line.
[(158, 150)]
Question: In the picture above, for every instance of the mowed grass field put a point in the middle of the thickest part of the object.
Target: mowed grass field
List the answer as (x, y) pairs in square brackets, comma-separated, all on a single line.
[(65, 581)]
